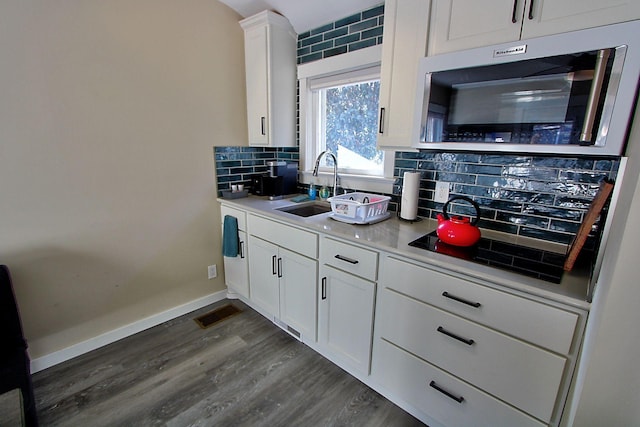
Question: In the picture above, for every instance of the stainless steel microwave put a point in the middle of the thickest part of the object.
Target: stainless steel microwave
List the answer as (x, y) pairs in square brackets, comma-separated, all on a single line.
[(570, 93)]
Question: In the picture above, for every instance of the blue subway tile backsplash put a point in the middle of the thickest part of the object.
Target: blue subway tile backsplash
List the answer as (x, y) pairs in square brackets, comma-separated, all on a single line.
[(537, 196), (543, 197), (237, 165), (351, 33)]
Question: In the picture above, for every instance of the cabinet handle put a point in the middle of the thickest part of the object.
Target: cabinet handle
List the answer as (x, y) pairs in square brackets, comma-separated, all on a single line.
[(262, 130), (531, 11), (514, 18), (458, 399), (349, 260), (381, 124), (454, 336), (279, 267), (464, 301), (594, 94), (241, 249), (273, 265), (324, 288)]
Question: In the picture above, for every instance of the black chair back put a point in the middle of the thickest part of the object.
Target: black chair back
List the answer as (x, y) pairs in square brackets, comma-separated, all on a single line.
[(15, 365)]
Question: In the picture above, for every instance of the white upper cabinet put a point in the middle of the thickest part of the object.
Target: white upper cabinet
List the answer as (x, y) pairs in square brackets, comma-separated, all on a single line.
[(460, 24), (543, 17), (270, 63), (406, 25), (465, 24)]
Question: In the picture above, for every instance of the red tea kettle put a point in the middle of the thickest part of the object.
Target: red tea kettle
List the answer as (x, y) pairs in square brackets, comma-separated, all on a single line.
[(458, 230)]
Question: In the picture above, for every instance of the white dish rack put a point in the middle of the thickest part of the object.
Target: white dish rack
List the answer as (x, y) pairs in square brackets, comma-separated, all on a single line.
[(359, 208)]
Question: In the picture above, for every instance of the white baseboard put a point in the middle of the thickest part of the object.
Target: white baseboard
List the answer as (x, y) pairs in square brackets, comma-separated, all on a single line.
[(75, 350)]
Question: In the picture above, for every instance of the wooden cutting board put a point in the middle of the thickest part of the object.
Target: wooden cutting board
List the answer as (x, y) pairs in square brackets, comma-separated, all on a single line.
[(590, 218)]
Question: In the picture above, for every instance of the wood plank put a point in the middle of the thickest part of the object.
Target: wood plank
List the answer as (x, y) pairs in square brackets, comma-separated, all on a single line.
[(606, 186)]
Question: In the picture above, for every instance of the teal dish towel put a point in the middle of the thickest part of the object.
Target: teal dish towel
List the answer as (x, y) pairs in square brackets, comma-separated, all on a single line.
[(230, 239)]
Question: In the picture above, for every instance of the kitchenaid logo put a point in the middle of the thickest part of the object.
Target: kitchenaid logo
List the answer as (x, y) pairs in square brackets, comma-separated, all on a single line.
[(515, 50)]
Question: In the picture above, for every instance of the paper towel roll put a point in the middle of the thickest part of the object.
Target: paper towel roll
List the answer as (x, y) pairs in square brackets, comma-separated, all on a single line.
[(409, 200)]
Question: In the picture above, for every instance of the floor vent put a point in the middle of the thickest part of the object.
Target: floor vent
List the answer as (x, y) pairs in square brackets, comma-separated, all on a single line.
[(217, 315)]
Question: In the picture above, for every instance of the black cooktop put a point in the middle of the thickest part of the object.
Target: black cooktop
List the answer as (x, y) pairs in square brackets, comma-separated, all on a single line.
[(524, 260)]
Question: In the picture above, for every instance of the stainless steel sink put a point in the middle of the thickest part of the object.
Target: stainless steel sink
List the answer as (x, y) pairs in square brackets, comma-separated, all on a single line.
[(307, 209)]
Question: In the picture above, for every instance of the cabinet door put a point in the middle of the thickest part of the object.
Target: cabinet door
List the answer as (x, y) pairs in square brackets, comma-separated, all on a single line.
[(405, 42), (465, 24), (256, 64), (543, 17), (270, 65), (298, 292), (345, 318), (263, 269), (236, 269)]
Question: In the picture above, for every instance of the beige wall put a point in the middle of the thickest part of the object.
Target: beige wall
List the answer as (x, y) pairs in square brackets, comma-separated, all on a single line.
[(108, 114)]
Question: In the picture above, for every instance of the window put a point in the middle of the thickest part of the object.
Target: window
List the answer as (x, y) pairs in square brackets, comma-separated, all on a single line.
[(339, 105), (345, 121)]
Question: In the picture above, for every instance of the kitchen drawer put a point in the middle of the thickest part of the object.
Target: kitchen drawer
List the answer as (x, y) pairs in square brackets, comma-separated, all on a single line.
[(240, 216), (343, 256), (519, 373), (294, 239), (532, 321), (414, 381)]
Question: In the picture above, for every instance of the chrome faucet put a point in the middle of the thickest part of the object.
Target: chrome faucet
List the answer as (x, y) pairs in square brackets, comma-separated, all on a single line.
[(335, 169)]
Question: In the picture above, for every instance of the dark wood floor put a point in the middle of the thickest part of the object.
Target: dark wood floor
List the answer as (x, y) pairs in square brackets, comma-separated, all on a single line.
[(243, 371)]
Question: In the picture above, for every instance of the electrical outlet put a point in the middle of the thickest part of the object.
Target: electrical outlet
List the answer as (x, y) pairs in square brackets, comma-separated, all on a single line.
[(213, 271), (441, 194)]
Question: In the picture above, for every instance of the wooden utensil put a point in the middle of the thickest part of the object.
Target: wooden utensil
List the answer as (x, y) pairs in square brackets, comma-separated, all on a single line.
[(590, 218)]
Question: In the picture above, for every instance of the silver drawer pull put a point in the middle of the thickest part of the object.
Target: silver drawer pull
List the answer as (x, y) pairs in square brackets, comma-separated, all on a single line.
[(458, 399), (349, 260), (462, 300), (454, 336)]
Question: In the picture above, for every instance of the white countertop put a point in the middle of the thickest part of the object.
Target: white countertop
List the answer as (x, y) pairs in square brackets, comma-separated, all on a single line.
[(393, 236)]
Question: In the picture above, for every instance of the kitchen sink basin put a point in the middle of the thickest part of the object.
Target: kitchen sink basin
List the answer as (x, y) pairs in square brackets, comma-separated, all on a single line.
[(307, 209)]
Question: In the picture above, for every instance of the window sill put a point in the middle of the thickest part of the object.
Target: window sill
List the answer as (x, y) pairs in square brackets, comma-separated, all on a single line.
[(376, 184)]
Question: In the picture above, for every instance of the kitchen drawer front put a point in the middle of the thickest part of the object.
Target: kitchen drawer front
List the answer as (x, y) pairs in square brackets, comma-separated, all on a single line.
[(415, 381), (241, 216), (343, 256), (538, 323), (519, 373), (294, 239)]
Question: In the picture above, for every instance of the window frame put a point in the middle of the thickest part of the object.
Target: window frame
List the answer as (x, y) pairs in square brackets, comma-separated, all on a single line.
[(309, 76), (316, 87)]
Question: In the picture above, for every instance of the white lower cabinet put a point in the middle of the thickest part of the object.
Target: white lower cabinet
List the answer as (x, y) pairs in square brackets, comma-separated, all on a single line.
[(236, 269), (346, 303), (298, 292), (265, 283), (284, 282), (451, 349), (446, 399), (345, 318), (466, 354), (495, 362)]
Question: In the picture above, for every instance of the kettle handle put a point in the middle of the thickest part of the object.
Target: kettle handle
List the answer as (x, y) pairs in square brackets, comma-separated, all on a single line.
[(473, 203)]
